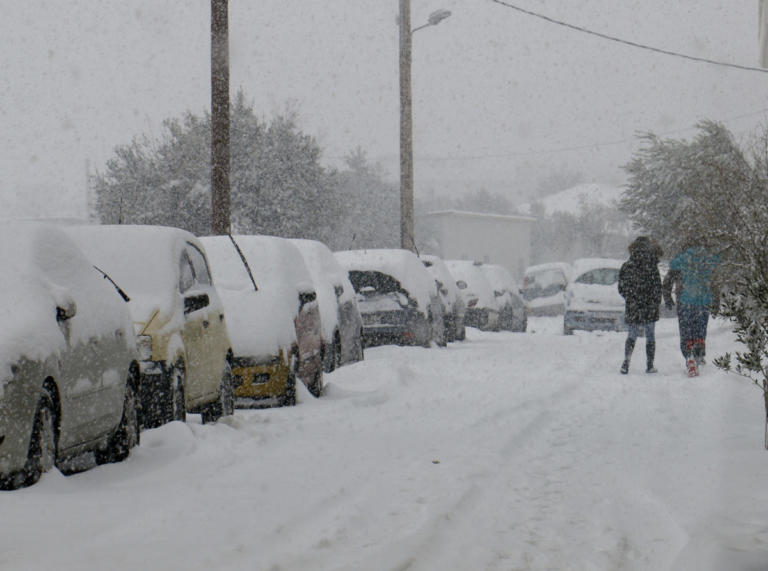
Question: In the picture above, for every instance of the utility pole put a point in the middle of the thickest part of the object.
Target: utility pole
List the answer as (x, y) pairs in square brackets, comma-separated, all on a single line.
[(406, 130), (220, 198)]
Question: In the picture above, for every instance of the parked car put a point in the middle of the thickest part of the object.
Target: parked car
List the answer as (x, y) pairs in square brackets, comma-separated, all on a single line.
[(68, 354), (453, 302), (592, 300), (274, 317), (544, 288), (482, 306), (342, 324), (397, 297), (178, 317), (513, 315)]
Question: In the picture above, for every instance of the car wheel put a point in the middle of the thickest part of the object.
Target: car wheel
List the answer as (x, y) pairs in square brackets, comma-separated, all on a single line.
[(127, 434), (224, 405), (41, 456), (316, 386), (289, 399), (336, 351), (177, 381), (567, 330)]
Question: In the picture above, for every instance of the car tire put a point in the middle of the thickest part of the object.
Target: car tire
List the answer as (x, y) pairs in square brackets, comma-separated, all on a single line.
[(42, 453), (336, 351), (177, 380), (127, 435), (289, 399), (567, 330), (316, 387), (224, 405)]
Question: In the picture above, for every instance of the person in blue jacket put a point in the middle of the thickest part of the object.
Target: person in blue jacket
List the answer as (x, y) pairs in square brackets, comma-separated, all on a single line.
[(690, 272)]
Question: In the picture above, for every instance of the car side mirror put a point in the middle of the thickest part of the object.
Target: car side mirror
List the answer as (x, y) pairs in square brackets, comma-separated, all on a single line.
[(338, 290), (195, 302), (306, 297), (67, 310)]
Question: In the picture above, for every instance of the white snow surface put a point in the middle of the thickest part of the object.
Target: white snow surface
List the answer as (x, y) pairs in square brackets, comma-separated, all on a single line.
[(572, 200), (508, 451)]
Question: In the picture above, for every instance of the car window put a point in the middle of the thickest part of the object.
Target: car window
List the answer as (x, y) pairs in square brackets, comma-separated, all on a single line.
[(186, 273), (374, 282), (199, 265), (599, 276)]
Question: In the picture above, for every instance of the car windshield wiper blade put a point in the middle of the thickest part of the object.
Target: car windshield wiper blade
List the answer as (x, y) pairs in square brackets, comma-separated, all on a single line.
[(114, 283)]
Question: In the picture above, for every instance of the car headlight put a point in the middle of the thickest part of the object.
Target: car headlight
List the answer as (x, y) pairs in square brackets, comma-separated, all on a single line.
[(144, 345)]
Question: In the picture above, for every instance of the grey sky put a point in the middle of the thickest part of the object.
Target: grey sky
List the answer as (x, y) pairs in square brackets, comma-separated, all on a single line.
[(491, 87)]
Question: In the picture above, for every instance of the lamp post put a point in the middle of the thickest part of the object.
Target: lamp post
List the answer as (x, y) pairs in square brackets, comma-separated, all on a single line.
[(406, 119)]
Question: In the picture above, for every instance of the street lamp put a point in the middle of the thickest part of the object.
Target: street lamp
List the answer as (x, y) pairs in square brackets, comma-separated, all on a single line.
[(406, 119)]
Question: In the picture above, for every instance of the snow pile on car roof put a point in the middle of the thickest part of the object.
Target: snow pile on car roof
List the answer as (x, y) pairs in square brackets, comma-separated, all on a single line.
[(260, 322), (402, 265)]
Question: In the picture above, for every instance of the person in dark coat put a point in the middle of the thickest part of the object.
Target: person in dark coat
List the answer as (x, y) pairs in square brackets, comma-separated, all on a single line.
[(640, 286)]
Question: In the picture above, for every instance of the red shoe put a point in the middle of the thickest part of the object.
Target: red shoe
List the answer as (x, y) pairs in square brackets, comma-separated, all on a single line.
[(693, 369)]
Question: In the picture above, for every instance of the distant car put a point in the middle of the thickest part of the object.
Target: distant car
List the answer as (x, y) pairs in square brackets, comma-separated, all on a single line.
[(70, 373), (513, 314), (482, 306), (274, 318), (544, 288), (455, 308), (592, 300), (185, 352), (397, 297), (340, 316)]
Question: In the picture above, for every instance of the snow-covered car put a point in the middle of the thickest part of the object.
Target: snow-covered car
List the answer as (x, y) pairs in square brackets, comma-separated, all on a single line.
[(482, 306), (342, 324), (513, 314), (274, 318), (397, 297), (70, 372), (592, 300), (178, 317), (453, 302), (544, 288)]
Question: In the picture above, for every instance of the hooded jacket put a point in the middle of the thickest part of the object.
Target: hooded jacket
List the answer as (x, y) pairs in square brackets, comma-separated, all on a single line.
[(640, 282)]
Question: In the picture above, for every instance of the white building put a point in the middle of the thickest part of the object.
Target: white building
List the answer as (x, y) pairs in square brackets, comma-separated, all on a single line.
[(493, 238)]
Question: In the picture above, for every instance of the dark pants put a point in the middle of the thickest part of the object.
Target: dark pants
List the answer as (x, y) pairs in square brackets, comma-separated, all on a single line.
[(692, 321)]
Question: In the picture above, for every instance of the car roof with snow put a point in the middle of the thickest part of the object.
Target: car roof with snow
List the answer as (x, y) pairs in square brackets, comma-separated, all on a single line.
[(476, 280), (583, 265), (564, 266), (440, 271), (402, 265)]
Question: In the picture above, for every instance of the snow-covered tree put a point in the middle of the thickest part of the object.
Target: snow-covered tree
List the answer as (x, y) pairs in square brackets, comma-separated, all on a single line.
[(278, 185), (712, 191), (367, 209)]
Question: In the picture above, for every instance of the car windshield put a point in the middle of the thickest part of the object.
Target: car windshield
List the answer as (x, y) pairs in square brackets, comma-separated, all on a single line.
[(599, 276), (373, 283), (543, 284)]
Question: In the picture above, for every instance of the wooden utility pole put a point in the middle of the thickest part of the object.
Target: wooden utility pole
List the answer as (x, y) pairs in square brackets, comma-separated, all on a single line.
[(406, 130), (220, 199)]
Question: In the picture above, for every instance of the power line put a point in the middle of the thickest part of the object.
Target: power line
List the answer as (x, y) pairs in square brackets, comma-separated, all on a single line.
[(628, 42), (576, 147)]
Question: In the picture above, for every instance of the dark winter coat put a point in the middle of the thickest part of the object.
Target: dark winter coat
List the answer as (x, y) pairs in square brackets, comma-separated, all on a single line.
[(640, 282)]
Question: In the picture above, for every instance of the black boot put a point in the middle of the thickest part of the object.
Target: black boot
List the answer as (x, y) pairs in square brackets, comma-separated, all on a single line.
[(650, 353), (629, 346)]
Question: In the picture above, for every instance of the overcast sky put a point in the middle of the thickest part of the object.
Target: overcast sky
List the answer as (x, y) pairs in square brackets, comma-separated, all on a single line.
[(498, 95)]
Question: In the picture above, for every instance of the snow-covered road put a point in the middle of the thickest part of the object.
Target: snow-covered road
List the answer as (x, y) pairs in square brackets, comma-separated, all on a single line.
[(505, 452)]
